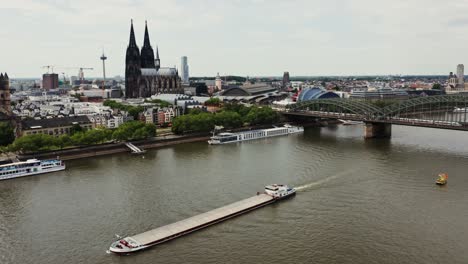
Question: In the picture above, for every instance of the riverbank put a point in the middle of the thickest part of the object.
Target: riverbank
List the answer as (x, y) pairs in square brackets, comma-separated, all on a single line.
[(120, 147), (112, 148)]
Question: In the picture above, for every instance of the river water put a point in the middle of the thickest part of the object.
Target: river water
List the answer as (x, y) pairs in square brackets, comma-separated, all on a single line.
[(359, 201)]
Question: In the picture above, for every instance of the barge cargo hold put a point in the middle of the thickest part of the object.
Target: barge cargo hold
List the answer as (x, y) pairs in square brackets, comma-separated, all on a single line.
[(163, 234)]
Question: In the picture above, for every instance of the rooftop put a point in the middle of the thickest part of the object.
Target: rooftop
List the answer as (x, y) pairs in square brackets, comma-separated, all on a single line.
[(54, 122)]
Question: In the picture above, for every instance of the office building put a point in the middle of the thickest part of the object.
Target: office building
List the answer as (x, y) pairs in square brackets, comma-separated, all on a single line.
[(461, 76), (184, 70), (286, 80), (50, 81)]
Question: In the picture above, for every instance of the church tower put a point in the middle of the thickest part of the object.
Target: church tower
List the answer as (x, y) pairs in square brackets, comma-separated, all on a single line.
[(157, 61), (147, 53), (5, 102), (132, 67)]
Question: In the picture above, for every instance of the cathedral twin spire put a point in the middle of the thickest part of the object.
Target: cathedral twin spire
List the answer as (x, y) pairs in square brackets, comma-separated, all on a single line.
[(147, 39), (147, 54), (3, 77), (132, 42)]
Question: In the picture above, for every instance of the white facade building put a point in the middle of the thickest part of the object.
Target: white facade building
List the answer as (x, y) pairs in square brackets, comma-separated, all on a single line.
[(218, 82), (115, 121)]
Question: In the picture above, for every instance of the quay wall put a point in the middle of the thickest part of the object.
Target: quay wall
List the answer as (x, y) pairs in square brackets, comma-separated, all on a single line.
[(112, 148)]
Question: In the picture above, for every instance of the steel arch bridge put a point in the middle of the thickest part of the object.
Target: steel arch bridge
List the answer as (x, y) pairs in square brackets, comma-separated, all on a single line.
[(442, 111), (349, 108), (428, 104)]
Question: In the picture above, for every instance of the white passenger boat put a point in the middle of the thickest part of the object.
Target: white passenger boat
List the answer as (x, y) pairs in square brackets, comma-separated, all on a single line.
[(29, 168), (224, 138), (350, 122), (273, 193), (460, 109)]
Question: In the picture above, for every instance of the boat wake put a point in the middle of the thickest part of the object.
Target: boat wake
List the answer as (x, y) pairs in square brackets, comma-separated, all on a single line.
[(323, 181)]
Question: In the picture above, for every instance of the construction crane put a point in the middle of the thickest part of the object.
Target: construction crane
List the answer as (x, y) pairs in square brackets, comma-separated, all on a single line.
[(64, 78), (81, 73), (49, 67)]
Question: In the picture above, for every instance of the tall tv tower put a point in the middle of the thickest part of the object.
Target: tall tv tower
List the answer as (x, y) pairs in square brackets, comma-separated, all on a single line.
[(103, 58)]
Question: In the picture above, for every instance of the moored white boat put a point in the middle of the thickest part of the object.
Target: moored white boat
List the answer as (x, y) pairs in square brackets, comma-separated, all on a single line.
[(225, 138), (460, 109), (29, 168), (350, 122)]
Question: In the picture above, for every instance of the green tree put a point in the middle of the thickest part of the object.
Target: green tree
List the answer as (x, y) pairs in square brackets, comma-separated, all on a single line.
[(7, 135), (437, 86), (132, 110), (159, 102), (134, 130), (213, 102), (195, 111), (76, 129), (261, 116), (32, 143), (64, 141), (228, 119)]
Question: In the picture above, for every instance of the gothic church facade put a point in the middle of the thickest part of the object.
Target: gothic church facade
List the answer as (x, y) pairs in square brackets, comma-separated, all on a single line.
[(144, 75)]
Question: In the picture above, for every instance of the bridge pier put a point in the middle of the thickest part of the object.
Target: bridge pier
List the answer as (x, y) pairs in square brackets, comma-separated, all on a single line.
[(377, 130)]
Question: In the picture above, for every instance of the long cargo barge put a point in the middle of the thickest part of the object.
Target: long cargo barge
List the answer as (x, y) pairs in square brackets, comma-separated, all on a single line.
[(163, 234)]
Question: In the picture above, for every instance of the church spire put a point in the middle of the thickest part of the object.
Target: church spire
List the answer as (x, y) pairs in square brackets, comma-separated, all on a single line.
[(147, 53), (132, 42), (157, 60), (147, 39)]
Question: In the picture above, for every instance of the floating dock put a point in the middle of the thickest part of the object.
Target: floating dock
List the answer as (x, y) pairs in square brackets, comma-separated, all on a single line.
[(165, 233)]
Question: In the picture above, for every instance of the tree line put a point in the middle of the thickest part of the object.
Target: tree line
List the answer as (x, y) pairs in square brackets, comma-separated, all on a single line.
[(132, 110), (132, 130), (232, 116)]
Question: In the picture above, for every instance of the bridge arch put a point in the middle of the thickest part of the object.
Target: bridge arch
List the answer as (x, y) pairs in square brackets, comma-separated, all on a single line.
[(426, 104), (359, 108)]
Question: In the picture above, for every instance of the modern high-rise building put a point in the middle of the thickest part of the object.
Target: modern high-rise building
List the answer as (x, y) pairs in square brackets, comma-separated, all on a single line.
[(285, 79), (50, 81), (184, 70), (461, 76)]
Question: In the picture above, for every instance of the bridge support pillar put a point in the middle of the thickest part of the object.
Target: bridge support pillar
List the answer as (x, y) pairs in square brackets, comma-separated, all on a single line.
[(377, 130)]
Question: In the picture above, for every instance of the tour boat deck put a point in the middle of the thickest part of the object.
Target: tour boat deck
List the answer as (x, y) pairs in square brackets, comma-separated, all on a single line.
[(177, 228)]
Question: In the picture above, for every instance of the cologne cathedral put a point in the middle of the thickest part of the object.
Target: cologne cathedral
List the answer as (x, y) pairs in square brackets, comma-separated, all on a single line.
[(143, 74)]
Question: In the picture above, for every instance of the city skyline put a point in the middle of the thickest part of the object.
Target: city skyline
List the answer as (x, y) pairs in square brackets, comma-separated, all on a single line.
[(306, 38)]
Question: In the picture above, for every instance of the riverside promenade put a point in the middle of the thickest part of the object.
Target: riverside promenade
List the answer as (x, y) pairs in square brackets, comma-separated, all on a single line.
[(112, 148)]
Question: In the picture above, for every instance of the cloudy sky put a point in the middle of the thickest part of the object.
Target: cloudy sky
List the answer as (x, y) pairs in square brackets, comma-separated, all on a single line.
[(239, 37)]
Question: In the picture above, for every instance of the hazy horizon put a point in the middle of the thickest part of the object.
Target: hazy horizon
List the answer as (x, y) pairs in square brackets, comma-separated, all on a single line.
[(241, 38)]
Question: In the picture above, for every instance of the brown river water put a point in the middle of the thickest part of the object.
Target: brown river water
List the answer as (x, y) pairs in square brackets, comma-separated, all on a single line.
[(359, 201)]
